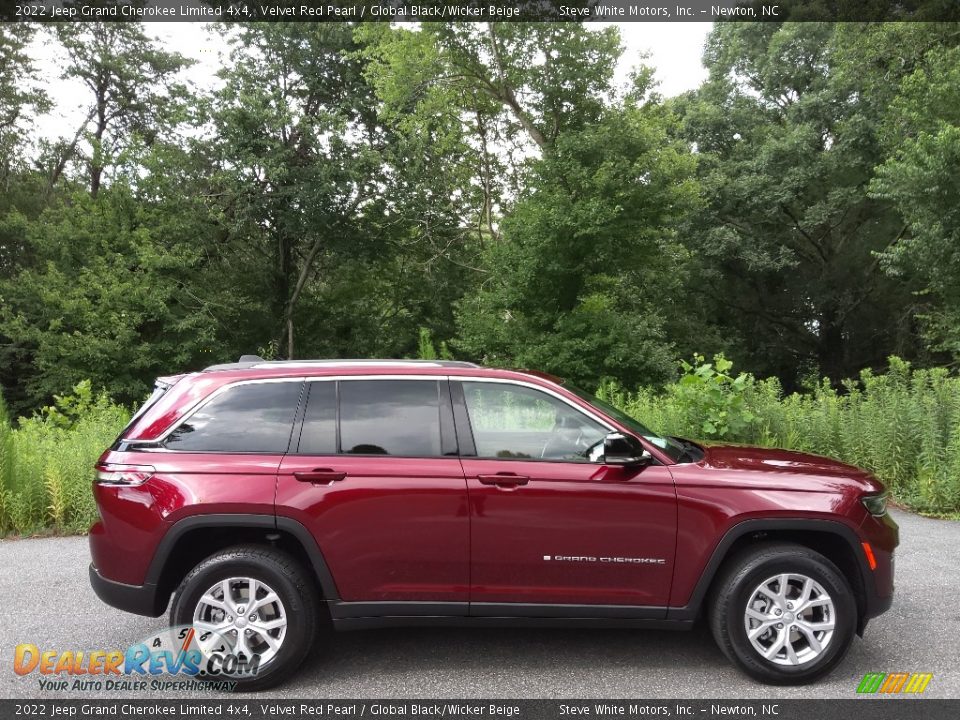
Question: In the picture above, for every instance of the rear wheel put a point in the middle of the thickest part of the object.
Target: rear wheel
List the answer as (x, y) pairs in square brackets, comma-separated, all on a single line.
[(256, 599), (783, 613)]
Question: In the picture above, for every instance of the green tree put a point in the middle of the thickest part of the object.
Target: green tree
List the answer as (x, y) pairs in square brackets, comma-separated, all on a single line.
[(135, 98), (20, 97), (298, 160), (571, 184), (920, 177), (104, 300), (586, 275), (342, 231), (787, 241)]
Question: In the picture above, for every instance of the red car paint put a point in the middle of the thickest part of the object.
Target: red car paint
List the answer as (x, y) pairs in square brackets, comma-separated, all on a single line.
[(459, 529)]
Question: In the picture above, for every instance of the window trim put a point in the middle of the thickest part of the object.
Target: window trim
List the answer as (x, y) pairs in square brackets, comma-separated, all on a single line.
[(464, 417), (301, 420)]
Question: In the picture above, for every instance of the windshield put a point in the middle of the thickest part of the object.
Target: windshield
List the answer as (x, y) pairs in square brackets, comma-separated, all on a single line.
[(670, 446)]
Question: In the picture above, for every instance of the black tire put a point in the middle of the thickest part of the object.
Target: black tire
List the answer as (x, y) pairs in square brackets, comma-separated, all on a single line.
[(292, 584), (733, 590)]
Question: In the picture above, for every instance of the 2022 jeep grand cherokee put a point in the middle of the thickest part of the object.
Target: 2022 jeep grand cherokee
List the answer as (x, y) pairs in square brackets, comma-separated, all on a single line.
[(266, 497)]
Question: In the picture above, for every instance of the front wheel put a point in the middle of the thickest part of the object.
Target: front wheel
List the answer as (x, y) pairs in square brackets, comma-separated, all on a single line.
[(258, 600), (783, 613)]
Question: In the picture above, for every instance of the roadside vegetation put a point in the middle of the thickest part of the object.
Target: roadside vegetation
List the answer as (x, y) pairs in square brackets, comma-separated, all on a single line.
[(46, 462), (903, 425)]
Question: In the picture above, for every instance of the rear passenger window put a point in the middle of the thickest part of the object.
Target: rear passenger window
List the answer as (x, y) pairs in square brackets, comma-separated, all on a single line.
[(319, 435), (256, 417), (390, 417)]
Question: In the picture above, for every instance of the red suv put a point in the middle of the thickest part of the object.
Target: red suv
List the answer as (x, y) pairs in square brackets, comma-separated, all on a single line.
[(269, 497)]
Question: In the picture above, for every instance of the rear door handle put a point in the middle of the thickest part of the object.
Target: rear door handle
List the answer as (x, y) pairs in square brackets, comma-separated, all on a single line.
[(319, 475), (504, 479)]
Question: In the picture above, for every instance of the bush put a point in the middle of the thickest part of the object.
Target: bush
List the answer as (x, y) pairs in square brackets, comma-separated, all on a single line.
[(904, 426), (46, 462)]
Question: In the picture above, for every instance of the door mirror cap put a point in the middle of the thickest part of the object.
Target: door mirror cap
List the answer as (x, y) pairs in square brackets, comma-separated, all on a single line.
[(620, 449)]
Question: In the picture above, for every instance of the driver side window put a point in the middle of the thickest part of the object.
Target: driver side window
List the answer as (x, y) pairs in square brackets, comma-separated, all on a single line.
[(516, 422)]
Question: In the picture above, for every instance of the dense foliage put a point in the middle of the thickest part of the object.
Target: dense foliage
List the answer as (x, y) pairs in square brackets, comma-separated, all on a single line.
[(46, 462), (345, 188)]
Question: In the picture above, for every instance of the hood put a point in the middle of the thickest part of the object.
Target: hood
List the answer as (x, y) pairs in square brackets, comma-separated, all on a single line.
[(787, 465)]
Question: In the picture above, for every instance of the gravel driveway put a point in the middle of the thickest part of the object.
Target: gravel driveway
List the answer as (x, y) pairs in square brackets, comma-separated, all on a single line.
[(45, 599)]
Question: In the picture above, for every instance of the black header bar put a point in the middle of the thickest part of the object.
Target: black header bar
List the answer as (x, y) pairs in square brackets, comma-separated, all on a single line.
[(225, 706), (479, 10)]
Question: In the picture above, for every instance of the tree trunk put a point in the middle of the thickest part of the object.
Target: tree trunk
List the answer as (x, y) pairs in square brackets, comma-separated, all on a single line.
[(281, 297), (506, 94)]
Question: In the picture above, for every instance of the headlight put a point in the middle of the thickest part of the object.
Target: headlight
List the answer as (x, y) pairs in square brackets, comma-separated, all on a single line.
[(876, 505)]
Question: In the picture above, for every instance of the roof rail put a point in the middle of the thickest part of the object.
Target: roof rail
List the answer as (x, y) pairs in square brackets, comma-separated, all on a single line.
[(252, 361)]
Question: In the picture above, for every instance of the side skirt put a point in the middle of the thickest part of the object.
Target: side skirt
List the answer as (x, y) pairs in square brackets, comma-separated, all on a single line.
[(367, 615)]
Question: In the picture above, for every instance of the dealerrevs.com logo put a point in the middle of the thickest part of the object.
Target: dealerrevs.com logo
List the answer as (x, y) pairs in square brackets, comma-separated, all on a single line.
[(894, 683), (181, 654)]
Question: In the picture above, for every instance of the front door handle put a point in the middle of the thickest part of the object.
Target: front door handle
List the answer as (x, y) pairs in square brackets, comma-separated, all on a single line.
[(319, 475), (504, 479)]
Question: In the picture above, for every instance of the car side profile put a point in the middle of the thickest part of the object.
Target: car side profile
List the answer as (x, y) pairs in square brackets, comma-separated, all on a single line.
[(269, 498)]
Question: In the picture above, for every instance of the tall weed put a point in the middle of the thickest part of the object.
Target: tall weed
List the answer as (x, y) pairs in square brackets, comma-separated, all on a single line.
[(903, 425), (46, 463)]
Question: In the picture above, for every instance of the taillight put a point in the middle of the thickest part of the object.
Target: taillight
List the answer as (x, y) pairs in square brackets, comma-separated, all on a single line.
[(114, 474)]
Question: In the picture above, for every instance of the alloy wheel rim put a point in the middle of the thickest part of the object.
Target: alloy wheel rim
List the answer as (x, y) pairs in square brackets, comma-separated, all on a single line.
[(790, 619), (244, 611)]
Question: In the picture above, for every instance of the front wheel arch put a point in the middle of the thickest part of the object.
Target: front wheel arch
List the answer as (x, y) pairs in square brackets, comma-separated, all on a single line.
[(832, 539)]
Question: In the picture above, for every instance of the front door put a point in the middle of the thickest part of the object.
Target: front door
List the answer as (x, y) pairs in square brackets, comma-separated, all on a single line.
[(548, 525), (375, 477)]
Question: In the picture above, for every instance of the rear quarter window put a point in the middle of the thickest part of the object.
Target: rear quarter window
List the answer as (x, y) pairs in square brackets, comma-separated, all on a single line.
[(255, 417)]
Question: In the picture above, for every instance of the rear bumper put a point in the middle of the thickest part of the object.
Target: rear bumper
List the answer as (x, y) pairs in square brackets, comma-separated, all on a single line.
[(138, 599)]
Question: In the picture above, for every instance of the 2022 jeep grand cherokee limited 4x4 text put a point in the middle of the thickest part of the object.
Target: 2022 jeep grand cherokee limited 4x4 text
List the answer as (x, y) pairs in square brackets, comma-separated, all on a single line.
[(267, 497)]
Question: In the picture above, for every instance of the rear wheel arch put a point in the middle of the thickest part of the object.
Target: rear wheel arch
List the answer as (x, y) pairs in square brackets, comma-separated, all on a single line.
[(191, 540)]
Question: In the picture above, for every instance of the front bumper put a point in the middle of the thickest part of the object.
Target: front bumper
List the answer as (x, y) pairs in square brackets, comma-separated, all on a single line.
[(137, 599)]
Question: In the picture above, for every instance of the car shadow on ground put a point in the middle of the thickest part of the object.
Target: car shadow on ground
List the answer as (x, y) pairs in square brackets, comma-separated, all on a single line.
[(489, 656)]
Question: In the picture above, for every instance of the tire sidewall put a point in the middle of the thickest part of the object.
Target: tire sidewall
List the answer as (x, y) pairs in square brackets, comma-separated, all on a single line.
[(844, 606), (300, 630)]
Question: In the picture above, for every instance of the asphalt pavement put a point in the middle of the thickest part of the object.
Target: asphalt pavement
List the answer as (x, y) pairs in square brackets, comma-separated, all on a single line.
[(45, 599)]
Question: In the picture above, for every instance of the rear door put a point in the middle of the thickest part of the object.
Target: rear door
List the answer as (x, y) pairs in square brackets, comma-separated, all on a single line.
[(374, 475), (549, 525)]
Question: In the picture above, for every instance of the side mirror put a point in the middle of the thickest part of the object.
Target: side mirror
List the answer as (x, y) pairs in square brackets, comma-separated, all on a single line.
[(620, 449)]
